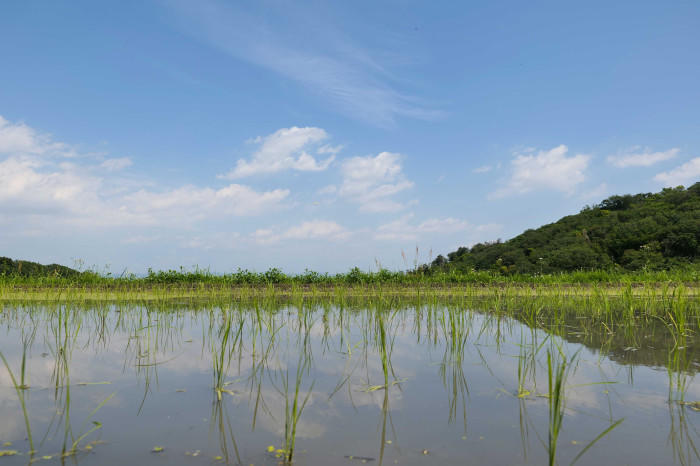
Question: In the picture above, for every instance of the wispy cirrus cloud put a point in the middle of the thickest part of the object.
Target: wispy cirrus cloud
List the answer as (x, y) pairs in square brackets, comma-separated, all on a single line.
[(117, 164), (314, 229), (305, 47), (483, 169), (406, 229), (637, 157)]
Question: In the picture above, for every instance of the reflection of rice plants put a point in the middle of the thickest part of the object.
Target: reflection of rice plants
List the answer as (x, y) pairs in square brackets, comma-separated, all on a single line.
[(64, 330), (558, 366), (221, 421), (556, 375), (20, 387), (456, 325), (682, 433), (221, 353), (293, 407)]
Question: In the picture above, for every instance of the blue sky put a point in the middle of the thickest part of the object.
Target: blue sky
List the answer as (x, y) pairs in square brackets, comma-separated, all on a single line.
[(326, 135)]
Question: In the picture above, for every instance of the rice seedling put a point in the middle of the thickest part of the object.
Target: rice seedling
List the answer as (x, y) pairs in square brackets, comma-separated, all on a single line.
[(556, 378)]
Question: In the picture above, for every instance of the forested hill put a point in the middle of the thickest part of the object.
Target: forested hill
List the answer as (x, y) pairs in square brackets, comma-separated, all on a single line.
[(656, 231), (33, 269)]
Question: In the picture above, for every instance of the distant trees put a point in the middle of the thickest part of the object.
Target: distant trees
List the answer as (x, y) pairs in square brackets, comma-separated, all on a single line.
[(33, 269), (649, 230)]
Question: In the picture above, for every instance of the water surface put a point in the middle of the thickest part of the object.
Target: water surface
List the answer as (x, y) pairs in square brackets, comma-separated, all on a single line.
[(396, 384)]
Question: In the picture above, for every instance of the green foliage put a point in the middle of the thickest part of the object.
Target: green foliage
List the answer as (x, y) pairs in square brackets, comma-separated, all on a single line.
[(32, 269), (652, 231)]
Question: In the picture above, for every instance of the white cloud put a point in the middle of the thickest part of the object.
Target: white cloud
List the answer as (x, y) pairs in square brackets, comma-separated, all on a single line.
[(190, 203), (483, 169), (550, 169), (372, 181), (315, 229), (285, 149), (116, 164), (19, 138), (30, 185), (69, 194), (645, 158), (686, 174), (36, 185), (402, 229)]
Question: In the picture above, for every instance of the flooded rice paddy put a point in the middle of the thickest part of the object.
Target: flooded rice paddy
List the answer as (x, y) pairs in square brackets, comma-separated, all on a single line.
[(319, 383)]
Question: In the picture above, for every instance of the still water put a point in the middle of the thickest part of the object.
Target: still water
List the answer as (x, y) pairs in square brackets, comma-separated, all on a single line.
[(328, 384)]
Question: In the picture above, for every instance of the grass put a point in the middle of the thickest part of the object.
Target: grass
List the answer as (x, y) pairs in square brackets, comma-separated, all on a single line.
[(163, 283)]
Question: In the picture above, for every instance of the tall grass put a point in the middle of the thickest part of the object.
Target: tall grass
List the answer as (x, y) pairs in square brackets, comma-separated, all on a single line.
[(202, 282)]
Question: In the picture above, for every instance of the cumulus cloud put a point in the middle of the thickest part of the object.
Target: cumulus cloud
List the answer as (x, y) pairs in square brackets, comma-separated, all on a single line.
[(644, 158), (36, 184), (19, 138), (29, 185), (547, 170), (286, 149), (70, 194), (686, 174), (372, 181), (314, 229)]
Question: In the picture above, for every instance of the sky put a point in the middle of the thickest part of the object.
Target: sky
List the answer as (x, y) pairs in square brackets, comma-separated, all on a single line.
[(326, 135)]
